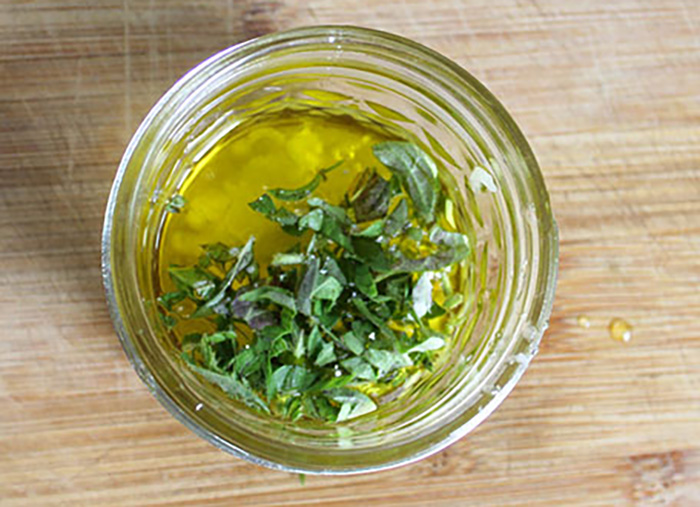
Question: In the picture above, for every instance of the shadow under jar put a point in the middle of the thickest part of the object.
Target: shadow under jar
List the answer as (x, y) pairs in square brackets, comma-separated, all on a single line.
[(512, 234)]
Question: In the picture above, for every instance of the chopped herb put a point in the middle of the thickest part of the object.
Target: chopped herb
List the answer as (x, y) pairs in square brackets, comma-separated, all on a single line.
[(278, 295), (432, 343), (453, 301), (416, 172), (175, 204), (348, 309), (397, 219), (305, 191), (287, 259), (371, 199), (423, 295)]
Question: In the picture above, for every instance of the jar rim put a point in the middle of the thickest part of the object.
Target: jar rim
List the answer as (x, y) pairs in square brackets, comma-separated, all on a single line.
[(330, 34)]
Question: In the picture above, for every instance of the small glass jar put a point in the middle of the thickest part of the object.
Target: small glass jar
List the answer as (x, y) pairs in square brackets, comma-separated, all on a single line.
[(512, 233)]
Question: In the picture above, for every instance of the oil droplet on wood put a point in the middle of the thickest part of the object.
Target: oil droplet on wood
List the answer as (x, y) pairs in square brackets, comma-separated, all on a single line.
[(620, 330), (583, 321)]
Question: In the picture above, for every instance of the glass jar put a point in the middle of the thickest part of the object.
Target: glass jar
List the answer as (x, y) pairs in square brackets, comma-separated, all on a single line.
[(488, 162)]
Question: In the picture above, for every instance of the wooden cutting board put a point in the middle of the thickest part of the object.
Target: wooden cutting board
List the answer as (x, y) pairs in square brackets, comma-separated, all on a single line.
[(607, 92)]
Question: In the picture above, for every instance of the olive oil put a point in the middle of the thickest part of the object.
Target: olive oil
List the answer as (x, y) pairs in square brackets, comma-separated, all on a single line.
[(281, 150), (312, 265)]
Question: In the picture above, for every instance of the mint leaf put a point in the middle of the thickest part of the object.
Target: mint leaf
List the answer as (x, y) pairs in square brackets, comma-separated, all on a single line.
[(353, 403), (264, 204), (175, 204), (416, 171), (423, 295), (194, 282), (217, 252), (245, 258), (364, 281), (328, 289), (305, 190), (374, 319), (386, 361), (371, 253), (307, 286), (453, 301), (288, 220), (397, 219), (326, 355), (287, 259), (312, 220), (313, 341), (432, 343), (371, 199), (254, 315), (354, 343), (233, 386), (359, 368), (372, 231), (169, 299), (277, 295), (453, 247)]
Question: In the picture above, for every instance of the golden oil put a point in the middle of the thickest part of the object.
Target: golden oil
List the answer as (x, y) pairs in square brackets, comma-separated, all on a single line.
[(276, 150)]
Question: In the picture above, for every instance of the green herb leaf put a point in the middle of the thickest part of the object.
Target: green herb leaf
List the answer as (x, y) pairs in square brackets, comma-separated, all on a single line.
[(435, 311), (335, 222), (397, 219), (287, 259), (374, 319), (288, 220), (453, 248), (336, 212), (264, 204), (217, 252), (371, 253), (453, 301), (329, 289), (312, 220), (168, 320), (245, 258), (331, 267), (423, 295), (386, 361), (359, 368), (299, 379), (415, 234), (326, 355), (194, 281), (175, 204), (307, 286), (364, 281), (353, 403), (354, 343), (416, 171), (277, 295), (254, 315), (371, 199), (169, 299), (276, 381), (306, 190), (372, 231), (313, 340), (233, 386), (432, 343)]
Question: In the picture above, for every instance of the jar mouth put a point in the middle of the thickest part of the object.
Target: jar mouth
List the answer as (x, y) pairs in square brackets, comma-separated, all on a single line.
[(516, 242)]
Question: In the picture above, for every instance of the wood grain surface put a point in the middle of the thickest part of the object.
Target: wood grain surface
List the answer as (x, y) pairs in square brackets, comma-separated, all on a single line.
[(607, 92)]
